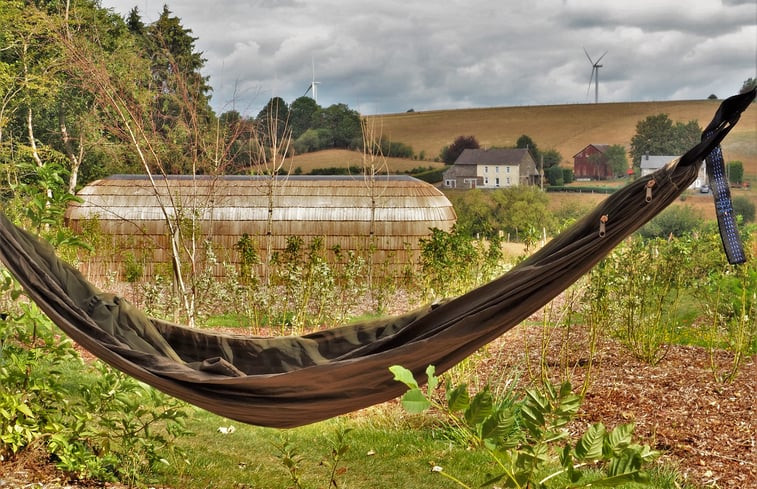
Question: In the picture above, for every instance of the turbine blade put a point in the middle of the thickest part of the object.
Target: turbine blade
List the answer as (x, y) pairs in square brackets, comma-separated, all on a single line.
[(591, 79), (588, 57), (600, 58)]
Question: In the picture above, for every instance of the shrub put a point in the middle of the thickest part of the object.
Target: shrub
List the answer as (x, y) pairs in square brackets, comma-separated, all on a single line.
[(644, 281), (523, 437), (744, 207), (568, 176), (112, 428), (735, 172), (555, 175), (674, 221)]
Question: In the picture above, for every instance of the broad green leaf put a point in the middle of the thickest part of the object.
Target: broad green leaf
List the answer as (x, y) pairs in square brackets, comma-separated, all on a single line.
[(401, 374), (589, 447), (533, 416), (628, 461), (498, 425), (414, 401), (565, 389), (620, 437), (569, 405), (458, 398), (536, 398), (480, 407)]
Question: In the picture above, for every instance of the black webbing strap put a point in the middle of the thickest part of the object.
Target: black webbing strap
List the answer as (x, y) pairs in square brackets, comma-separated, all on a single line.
[(728, 114), (729, 231)]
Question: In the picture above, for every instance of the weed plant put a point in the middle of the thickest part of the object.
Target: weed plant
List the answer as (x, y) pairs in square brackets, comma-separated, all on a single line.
[(527, 440)]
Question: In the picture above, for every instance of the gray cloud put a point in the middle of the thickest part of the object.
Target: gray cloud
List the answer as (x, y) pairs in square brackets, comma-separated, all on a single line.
[(390, 56)]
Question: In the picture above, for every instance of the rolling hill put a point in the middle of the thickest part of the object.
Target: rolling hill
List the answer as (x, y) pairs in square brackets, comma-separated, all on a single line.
[(565, 128)]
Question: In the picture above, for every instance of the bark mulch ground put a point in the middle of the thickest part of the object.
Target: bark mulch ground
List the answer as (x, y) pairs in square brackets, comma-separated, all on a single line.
[(704, 428)]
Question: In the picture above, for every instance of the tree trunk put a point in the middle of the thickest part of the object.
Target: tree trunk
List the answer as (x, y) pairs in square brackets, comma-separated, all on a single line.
[(69, 148)]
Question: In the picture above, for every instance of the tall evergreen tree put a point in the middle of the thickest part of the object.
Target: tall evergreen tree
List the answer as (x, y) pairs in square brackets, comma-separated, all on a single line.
[(176, 71)]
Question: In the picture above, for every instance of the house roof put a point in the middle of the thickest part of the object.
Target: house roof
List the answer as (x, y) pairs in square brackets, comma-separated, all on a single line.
[(655, 162), (602, 148), (460, 171), (512, 156)]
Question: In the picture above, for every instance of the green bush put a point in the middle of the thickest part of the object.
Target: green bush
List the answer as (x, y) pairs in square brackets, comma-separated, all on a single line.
[(109, 428), (430, 176), (744, 207), (555, 176), (676, 221), (568, 176), (735, 172)]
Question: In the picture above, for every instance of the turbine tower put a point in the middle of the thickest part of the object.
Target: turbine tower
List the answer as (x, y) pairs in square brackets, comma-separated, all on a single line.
[(595, 66), (313, 88)]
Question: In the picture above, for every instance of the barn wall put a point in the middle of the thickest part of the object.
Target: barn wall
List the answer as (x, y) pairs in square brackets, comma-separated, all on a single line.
[(389, 216)]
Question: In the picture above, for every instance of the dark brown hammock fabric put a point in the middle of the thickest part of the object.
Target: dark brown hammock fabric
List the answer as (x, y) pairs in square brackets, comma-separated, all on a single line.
[(291, 381)]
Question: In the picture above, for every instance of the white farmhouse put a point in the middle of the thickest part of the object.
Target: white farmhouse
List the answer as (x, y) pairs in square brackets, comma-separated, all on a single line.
[(652, 163), (492, 168)]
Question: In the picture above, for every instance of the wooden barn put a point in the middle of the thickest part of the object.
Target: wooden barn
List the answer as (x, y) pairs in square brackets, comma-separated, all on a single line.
[(387, 215), (591, 163)]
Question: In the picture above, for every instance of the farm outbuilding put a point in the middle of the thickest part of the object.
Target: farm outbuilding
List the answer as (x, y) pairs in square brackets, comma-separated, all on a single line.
[(592, 163), (387, 215)]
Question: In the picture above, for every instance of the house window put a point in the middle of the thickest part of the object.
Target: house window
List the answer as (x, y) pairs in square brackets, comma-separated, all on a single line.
[(507, 169), (449, 183), (496, 182), (508, 180), (486, 180), (496, 169)]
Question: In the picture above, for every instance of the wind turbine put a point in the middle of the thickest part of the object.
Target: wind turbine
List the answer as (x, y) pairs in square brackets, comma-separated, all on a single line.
[(313, 88), (595, 66)]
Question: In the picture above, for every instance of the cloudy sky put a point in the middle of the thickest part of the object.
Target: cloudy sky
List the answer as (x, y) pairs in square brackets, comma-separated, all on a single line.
[(389, 56)]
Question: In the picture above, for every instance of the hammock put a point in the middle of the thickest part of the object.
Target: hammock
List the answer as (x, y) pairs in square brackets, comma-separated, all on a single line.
[(296, 380)]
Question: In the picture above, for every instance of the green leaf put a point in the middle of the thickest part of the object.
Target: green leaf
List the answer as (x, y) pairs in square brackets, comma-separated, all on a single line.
[(535, 398), (458, 398), (401, 374), (432, 380), (498, 425), (533, 418), (589, 447), (628, 461), (620, 437), (480, 408), (25, 409), (415, 402)]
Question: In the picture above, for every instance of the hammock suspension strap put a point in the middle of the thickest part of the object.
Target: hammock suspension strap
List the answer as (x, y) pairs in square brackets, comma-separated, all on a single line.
[(729, 232)]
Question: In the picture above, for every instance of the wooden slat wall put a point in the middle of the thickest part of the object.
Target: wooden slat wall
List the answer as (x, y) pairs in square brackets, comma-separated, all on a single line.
[(339, 209)]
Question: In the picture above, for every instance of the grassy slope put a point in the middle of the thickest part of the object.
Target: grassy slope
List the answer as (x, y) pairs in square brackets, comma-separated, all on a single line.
[(565, 128)]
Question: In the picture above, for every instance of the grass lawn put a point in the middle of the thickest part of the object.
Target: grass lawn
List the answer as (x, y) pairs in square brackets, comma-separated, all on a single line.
[(385, 451)]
